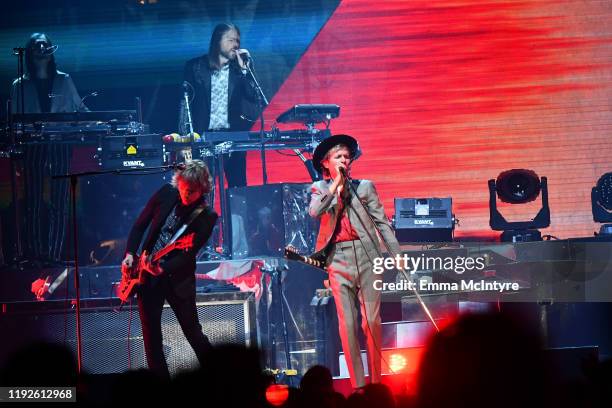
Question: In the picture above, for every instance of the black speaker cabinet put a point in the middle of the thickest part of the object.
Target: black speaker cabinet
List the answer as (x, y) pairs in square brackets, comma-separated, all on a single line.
[(423, 219), (107, 332), (131, 151)]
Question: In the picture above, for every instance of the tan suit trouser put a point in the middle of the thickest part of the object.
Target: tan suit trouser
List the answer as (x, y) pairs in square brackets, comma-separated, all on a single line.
[(351, 279)]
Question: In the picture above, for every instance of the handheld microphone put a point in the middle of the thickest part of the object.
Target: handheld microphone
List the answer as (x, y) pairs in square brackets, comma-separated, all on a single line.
[(244, 54), (246, 59), (346, 193)]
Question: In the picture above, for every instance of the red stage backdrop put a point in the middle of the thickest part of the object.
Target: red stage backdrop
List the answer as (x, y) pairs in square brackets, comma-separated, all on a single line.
[(445, 95)]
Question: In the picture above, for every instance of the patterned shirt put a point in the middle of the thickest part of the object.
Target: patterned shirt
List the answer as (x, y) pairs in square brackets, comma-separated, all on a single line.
[(167, 231), (174, 221), (219, 85)]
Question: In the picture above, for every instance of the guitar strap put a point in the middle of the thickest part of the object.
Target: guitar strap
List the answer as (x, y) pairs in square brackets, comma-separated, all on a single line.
[(194, 214)]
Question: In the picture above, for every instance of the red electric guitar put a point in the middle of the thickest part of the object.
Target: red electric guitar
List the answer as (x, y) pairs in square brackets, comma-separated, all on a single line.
[(135, 274)]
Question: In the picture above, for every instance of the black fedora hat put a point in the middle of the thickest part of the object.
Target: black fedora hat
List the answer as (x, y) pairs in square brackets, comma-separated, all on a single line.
[(325, 145)]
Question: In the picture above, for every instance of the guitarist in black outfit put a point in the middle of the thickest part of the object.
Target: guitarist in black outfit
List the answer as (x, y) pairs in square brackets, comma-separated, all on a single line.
[(172, 278)]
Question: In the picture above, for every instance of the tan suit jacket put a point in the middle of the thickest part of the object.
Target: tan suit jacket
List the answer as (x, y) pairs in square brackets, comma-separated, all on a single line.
[(324, 205)]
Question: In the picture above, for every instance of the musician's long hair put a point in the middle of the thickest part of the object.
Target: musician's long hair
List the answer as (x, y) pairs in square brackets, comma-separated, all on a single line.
[(214, 49), (29, 56), (195, 172)]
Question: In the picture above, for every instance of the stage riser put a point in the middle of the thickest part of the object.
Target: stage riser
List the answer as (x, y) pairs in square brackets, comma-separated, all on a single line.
[(566, 365)]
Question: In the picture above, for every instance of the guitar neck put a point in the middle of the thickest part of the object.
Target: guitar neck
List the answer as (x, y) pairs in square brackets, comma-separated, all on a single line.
[(313, 262), (305, 259), (165, 251)]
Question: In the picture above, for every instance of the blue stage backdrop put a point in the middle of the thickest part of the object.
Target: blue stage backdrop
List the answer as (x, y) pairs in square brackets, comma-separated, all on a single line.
[(130, 48)]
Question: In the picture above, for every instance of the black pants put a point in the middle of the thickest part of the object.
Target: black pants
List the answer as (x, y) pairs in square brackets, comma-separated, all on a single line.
[(235, 169), (150, 303)]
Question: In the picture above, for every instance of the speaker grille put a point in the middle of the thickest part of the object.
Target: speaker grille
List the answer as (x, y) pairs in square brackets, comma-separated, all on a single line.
[(104, 330)]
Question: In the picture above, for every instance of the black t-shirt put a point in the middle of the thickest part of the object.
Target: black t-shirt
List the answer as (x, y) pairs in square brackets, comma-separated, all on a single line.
[(174, 221), (44, 88)]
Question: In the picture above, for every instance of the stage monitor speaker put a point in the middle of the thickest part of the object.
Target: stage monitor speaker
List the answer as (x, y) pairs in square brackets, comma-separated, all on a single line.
[(403, 361), (131, 151), (106, 331), (267, 218), (423, 219)]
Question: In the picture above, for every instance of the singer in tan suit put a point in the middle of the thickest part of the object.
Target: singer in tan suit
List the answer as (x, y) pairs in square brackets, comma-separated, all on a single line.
[(350, 241)]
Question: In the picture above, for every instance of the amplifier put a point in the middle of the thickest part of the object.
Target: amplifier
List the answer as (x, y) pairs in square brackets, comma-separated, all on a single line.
[(130, 151), (225, 318), (423, 219)]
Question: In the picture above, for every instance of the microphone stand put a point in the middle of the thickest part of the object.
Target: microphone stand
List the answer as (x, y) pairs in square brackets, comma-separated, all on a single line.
[(73, 185), (276, 272), (19, 52), (82, 104), (391, 252), (216, 162), (188, 108), (263, 103), (226, 218)]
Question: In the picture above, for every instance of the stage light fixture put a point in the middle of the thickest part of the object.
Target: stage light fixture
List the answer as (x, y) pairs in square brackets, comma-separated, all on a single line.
[(397, 362), (601, 203), (277, 394), (518, 186)]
